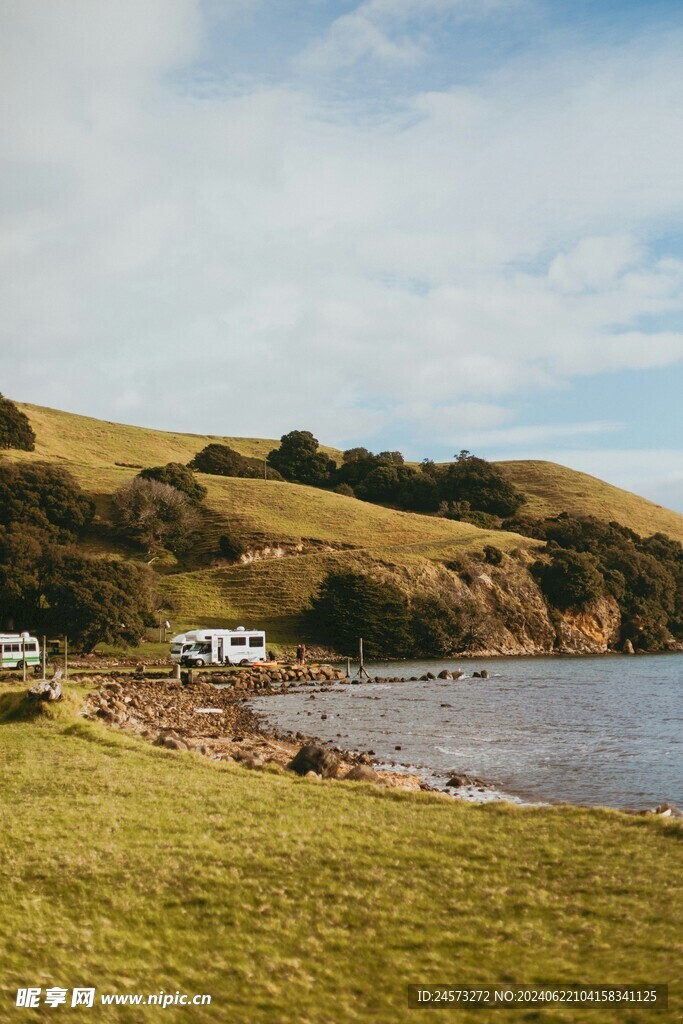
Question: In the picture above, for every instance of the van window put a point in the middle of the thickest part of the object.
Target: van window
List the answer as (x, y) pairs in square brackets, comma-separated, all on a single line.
[(256, 641), (238, 641), (31, 648)]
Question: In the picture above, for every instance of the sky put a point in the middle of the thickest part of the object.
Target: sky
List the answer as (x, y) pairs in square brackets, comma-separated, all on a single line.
[(423, 225)]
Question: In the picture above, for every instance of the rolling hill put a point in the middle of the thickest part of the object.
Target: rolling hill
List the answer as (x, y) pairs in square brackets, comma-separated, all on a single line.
[(323, 529), (551, 488)]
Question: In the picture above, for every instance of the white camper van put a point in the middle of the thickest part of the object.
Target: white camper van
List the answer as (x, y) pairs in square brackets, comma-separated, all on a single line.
[(202, 647), (16, 648)]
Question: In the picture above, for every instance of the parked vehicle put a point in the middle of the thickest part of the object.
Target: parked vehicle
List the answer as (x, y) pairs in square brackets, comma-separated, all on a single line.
[(182, 643), (202, 647), (18, 648)]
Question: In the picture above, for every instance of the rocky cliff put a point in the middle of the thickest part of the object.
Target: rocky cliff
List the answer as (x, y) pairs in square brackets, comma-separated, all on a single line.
[(511, 615)]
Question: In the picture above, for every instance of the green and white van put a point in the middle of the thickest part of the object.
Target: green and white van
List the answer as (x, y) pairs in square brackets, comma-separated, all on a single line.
[(17, 648)]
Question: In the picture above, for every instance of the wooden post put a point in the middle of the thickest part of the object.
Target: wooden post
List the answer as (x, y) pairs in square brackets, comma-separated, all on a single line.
[(348, 668), (66, 657), (44, 659), (23, 657), (361, 667), (265, 469)]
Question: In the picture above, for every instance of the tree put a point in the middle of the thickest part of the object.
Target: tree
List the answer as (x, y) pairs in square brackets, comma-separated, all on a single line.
[(570, 580), (176, 475), (482, 484), (155, 515), (441, 630), (299, 460), (15, 429), (22, 550), (220, 460), (56, 590), (43, 495), (352, 605), (96, 601)]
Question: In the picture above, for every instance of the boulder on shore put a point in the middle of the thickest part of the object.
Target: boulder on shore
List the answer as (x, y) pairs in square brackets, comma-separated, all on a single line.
[(362, 773), (315, 759), (46, 689)]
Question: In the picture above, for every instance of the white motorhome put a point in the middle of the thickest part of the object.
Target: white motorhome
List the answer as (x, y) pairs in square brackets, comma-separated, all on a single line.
[(202, 647), (15, 648), (181, 644)]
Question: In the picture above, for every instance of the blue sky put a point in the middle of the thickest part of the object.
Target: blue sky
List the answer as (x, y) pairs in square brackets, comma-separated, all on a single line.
[(414, 224)]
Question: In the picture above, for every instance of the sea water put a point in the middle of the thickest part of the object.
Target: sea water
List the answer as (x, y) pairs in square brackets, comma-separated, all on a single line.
[(587, 730)]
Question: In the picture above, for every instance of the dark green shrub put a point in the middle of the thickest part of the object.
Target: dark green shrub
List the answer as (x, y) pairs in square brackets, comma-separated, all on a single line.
[(220, 460), (493, 555), (231, 547), (15, 429), (344, 489)]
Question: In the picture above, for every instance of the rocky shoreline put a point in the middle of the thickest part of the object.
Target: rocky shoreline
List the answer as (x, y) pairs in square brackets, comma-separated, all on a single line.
[(211, 714), (218, 722)]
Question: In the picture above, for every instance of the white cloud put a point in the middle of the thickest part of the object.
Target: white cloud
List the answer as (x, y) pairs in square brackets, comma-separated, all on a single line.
[(376, 31), (262, 261)]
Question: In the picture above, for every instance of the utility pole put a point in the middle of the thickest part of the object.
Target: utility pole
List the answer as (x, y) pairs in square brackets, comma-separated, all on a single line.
[(44, 659), (23, 657), (265, 469), (66, 657)]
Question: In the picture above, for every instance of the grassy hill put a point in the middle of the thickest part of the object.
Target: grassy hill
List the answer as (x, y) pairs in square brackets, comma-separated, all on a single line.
[(551, 488), (132, 868), (335, 530)]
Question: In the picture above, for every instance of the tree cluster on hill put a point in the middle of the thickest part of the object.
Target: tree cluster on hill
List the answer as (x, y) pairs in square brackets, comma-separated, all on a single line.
[(299, 460), (588, 557), (464, 489), (15, 429), (46, 584), (350, 605), (220, 460)]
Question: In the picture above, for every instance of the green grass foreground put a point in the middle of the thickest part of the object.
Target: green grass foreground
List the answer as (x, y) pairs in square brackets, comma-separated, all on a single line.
[(132, 868)]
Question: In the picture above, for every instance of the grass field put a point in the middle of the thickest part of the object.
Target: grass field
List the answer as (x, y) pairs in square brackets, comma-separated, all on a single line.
[(132, 869)]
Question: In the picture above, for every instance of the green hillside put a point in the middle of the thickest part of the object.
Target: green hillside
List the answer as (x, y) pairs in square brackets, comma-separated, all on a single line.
[(331, 530), (551, 488)]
